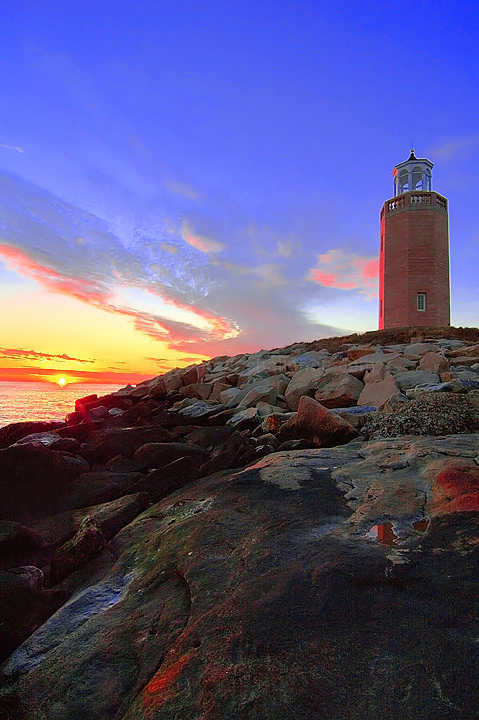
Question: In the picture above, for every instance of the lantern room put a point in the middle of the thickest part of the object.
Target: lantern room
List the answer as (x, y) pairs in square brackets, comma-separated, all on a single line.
[(412, 175)]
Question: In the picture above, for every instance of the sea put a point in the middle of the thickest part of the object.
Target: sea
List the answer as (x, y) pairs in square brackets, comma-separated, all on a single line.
[(21, 401)]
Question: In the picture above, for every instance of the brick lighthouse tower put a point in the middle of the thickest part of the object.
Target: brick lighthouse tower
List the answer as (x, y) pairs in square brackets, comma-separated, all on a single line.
[(414, 256)]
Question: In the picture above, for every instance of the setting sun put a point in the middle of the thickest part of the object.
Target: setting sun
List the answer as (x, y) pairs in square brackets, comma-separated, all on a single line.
[(61, 381)]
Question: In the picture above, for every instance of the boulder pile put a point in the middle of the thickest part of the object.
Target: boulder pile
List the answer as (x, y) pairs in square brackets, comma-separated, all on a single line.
[(266, 535)]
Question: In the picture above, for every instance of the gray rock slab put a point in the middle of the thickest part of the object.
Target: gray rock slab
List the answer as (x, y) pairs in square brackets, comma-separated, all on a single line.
[(411, 378)]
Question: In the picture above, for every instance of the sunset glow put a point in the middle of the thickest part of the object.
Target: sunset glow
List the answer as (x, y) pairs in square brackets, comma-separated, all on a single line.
[(61, 381), (173, 191)]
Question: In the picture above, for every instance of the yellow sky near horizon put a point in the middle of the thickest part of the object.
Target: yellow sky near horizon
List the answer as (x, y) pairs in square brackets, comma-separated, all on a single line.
[(56, 324)]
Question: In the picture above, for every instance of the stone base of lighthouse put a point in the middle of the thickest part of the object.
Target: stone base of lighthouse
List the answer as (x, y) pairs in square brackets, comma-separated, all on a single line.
[(414, 262)]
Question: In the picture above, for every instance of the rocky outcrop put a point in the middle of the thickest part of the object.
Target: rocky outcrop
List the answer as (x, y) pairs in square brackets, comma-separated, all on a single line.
[(215, 542), (253, 591)]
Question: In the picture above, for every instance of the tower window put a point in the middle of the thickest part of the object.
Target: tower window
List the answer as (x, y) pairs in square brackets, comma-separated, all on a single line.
[(421, 302), (417, 183), (403, 181)]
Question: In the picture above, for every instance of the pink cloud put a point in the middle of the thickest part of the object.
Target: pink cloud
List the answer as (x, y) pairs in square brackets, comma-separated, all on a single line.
[(330, 280), (346, 271), (159, 328), (200, 242), (79, 288)]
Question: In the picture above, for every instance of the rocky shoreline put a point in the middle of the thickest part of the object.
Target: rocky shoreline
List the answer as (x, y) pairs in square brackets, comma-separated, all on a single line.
[(290, 533)]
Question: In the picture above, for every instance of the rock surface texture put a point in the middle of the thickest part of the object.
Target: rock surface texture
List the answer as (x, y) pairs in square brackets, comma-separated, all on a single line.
[(217, 544)]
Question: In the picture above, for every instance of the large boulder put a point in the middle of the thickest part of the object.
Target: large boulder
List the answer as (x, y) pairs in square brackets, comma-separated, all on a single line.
[(303, 382), (156, 455), (316, 423), (107, 443), (10, 434), (92, 488), (379, 387), (110, 517), (408, 380), (324, 584), (434, 362), (338, 391), (32, 481)]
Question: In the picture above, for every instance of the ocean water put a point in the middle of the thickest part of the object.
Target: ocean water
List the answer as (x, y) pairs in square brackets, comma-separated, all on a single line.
[(43, 401)]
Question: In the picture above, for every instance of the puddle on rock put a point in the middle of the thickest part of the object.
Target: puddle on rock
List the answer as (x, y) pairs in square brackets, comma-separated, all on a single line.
[(386, 535)]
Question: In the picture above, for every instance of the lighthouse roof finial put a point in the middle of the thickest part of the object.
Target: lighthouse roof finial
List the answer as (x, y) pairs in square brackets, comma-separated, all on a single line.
[(412, 155)]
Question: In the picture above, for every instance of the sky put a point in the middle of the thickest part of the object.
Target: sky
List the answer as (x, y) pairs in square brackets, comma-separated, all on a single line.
[(182, 180)]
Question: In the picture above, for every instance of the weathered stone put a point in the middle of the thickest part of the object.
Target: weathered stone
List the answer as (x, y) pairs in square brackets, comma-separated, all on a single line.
[(379, 387), (113, 441), (327, 556), (200, 391), (12, 433), (98, 487), (73, 465), (19, 545), (88, 541), (304, 382), (110, 518), (377, 357), (209, 437), (358, 352), (162, 481), (408, 380), (245, 419), (434, 362), (338, 390), (156, 455), (418, 349), (401, 363), (198, 410), (32, 481), (98, 412), (464, 351), (217, 389), (318, 424)]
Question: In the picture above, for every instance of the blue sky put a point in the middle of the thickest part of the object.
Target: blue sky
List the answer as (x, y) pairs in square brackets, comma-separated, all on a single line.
[(212, 173)]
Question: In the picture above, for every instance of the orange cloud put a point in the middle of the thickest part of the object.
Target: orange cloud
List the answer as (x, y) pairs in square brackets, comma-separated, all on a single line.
[(16, 354), (38, 374)]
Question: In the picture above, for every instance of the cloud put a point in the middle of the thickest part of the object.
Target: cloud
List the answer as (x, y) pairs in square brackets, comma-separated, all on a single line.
[(15, 148), (50, 279), (200, 242), (36, 374), (182, 189), (198, 303), (17, 354), (172, 249), (346, 271), (465, 145)]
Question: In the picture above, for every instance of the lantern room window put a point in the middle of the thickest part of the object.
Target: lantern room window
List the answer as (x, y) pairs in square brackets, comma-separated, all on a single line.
[(421, 302)]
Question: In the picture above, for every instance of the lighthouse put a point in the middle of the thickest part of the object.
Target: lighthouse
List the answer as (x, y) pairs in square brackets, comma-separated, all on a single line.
[(414, 251)]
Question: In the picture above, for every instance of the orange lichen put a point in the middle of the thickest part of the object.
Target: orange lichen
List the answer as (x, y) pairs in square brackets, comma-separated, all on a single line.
[(159, 688)]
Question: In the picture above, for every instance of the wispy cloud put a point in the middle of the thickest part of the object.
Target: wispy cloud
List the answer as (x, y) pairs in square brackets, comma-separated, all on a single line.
[(195, 302), (182, 189), (18, 354), (200, 242), (456, 146), (15, 148), (346, 271), (38, 373)]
